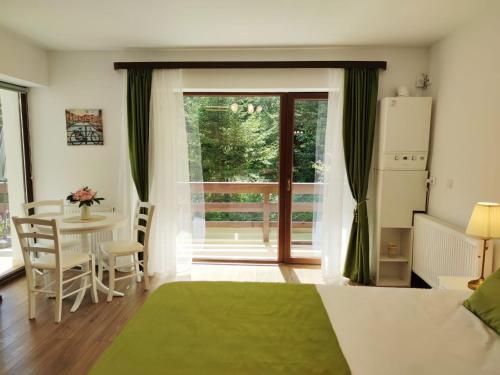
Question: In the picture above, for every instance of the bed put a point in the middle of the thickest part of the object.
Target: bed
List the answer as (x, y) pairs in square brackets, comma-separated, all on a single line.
[(267, 328)]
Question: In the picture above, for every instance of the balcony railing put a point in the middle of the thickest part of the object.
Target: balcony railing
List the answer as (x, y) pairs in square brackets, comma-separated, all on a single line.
[(266, 207)]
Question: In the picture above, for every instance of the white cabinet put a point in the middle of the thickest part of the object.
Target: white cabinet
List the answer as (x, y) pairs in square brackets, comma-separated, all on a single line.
[(403, 133), (401, 185), (399, 193), (406, 123)]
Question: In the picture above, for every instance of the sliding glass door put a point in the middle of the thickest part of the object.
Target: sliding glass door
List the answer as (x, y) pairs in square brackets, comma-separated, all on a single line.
[(257, 158), (307, 113), (12, 176), (237, 138)]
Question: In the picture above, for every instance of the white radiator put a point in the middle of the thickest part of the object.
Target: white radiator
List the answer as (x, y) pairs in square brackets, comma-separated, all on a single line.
[(95, 238), (441, 249)]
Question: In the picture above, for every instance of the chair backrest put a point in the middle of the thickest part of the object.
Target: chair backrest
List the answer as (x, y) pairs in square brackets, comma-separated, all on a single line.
[(44, 209), (142, 221), (73, 209), (31, 229), (102, 208)]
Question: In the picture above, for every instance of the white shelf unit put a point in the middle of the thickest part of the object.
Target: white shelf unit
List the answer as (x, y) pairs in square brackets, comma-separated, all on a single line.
[(394, 270)]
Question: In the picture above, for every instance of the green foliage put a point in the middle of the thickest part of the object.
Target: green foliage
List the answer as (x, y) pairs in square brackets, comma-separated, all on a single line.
[(309, 135), (5, 225), (244, 147), (237, 146)]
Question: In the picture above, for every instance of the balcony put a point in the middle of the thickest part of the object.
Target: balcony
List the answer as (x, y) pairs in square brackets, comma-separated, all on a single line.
[(253, 239)]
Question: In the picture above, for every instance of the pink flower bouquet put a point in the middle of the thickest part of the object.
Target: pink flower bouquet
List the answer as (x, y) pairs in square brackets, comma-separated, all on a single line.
[(84, 197)]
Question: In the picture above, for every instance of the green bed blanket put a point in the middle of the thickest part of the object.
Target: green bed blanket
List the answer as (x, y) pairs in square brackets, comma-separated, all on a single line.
[(227, 328)]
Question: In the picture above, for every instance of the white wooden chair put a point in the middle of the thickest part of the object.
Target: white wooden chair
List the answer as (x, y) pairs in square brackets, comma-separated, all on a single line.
[(109, 251), (44, 209), (50, 209), (51, 259)]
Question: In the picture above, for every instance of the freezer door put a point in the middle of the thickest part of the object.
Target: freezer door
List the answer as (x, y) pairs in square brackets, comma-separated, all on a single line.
[(399, 194), (406, 124)]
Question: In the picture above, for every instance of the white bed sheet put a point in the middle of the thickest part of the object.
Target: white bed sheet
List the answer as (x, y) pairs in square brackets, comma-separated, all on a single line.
[(385, 331)]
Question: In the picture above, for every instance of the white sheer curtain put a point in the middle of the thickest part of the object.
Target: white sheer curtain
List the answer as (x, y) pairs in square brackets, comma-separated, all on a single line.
[(174, 225), (334, 204)]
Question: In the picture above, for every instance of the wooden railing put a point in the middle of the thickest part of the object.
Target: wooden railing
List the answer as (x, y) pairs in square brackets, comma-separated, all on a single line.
[(266, 207)]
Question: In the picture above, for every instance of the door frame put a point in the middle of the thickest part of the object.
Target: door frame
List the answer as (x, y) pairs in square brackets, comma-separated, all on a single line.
[(287, 123), (288, 135), (26, 148), (26, 161)]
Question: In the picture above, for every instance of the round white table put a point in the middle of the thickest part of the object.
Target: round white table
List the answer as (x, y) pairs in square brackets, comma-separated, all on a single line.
[(99, 222)]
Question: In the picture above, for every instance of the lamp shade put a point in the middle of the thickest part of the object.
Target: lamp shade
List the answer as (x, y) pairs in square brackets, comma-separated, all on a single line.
[(485, 221)]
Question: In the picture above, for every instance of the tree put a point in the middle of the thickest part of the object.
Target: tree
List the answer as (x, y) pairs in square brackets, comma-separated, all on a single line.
[(242, 145), (237, 146)]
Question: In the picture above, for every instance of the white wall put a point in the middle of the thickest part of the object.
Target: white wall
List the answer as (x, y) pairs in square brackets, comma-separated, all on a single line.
[(76, 81), (87, 79), (22, 62), (465, 147)]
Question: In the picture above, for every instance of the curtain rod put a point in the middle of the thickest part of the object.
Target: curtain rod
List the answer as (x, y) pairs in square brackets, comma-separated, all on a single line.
[(13, 87), (249, 64)]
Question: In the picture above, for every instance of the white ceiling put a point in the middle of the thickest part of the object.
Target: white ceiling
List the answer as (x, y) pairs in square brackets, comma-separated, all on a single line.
[(119, 24)]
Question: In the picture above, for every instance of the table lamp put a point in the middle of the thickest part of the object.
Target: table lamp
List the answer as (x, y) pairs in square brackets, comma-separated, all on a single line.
[(484, 223)]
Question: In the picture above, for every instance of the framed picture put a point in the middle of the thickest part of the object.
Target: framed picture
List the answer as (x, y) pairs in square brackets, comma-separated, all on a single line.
[(84, 127)]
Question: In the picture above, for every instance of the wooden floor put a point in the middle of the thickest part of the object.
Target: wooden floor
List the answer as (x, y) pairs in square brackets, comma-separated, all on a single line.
[(40, 346)]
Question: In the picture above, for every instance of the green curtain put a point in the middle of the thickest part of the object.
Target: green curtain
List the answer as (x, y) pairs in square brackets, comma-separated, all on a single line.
[(138, 99), (360, 106)]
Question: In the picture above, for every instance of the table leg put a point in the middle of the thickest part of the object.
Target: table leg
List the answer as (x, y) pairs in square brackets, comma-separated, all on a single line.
[(100, 285), (85, 247)]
